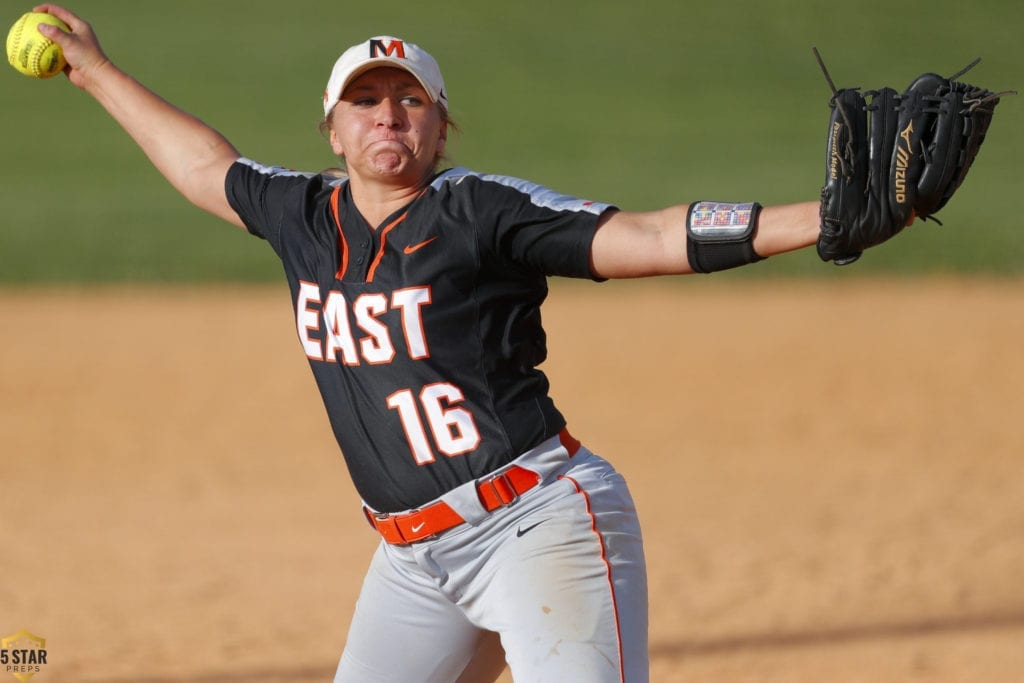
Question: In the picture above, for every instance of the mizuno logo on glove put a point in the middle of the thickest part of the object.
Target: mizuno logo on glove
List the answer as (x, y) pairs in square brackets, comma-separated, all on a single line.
[(902, 161)]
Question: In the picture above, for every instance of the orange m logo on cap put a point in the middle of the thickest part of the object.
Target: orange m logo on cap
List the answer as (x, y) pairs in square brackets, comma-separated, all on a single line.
[(394, 48)]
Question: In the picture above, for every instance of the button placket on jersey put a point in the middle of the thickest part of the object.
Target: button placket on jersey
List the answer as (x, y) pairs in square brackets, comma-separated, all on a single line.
[(367, 248)]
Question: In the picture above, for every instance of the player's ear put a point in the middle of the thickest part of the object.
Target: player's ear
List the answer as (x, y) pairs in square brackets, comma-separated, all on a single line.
[(326, 128), (442, 138), (335, 143), (443, 135)]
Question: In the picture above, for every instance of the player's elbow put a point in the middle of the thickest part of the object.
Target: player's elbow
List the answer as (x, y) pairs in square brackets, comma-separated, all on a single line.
[(203, 185)]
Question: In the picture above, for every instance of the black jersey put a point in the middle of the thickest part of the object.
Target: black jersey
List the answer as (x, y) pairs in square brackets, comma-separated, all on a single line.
[(424, 334)]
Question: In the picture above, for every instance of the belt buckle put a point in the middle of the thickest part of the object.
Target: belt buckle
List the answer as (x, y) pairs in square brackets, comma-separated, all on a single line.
[(409, 513), (385, 516), (497, 493), (375, 518)]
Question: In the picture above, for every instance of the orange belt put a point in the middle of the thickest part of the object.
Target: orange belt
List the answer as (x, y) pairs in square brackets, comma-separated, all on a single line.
[(502, 489)]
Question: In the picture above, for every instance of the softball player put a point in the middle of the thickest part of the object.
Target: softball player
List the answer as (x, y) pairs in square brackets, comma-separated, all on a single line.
[(417, 295)]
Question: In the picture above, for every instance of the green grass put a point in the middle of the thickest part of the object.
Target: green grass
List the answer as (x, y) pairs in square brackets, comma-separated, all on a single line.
[(640, 104)]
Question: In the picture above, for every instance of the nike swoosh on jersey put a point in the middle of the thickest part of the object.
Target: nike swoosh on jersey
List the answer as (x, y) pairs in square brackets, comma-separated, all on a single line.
[(416, 529), (520, 532), (416, 247)]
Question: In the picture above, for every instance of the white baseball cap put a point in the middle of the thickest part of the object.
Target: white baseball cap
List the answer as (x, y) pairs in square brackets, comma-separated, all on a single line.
[(384, 51)]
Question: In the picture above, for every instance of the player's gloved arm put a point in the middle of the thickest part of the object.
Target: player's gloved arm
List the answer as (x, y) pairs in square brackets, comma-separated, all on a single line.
[(191, 155), (642, 244)]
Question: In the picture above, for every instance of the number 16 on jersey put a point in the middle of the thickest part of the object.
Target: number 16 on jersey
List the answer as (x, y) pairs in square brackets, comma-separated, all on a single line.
[(452, 428)]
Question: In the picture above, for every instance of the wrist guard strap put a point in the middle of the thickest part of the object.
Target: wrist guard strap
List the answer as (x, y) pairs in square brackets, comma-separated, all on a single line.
[(720, 235)]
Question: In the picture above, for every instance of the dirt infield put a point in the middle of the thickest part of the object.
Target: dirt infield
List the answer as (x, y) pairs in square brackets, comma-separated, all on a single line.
[(829, 475)]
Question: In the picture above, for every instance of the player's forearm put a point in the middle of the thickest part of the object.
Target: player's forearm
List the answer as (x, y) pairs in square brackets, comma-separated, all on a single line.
[(191, 155), (786, 227)]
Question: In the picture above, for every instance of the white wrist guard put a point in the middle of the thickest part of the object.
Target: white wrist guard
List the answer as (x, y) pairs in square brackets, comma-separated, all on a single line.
[(720, 235)]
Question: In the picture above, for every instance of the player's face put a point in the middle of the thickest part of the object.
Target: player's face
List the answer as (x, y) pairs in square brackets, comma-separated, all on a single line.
[(387, 128)]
